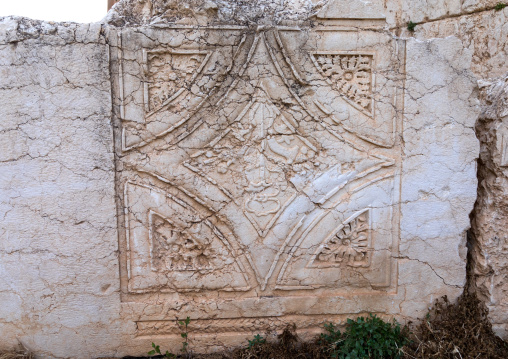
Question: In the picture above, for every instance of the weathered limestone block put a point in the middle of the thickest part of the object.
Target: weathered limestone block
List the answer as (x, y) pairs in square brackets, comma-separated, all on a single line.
[(400, 12), (479, 5), (281, 174), (269, 168), (58, 233), (490, 218), (484, 33), (441, 108), (260, 163), (207, 12), (355, 9)]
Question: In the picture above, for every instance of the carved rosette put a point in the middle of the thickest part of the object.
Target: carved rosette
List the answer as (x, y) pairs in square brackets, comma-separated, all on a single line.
[(349, 246), (349, 74), (175, 249), (170, 71)]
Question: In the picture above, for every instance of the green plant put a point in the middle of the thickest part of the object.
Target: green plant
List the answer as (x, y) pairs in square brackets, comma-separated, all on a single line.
[(331, 336), (500, 6), (157, 350), (411, 26), (258, 339), (369, 337), (185, 334), (184, 325)]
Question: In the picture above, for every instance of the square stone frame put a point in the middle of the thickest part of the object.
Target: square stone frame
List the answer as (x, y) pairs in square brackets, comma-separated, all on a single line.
[(239, 311)]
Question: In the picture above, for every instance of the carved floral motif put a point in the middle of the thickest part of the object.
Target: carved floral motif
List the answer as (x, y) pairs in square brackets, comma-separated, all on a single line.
[(257, 144), (350, 245), (179, 250), (351, 75), (170, 71)]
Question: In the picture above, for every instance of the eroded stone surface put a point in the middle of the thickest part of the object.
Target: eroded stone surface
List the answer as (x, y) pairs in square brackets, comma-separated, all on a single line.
[(484, 33), (286, 177), (203, 12), (262, 139), (490, 217), (305, 172)]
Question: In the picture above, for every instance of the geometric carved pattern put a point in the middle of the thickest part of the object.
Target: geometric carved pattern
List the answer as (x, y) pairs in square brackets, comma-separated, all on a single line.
[(260, 147), (249, 164), (351, 75), (236, 325), (349, 246)]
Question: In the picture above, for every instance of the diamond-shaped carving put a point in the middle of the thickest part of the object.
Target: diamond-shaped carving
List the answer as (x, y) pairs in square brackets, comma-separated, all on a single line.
[(260, 147)]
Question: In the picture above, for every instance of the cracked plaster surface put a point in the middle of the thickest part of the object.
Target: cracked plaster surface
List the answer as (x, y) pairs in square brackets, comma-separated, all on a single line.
[(124, 206)]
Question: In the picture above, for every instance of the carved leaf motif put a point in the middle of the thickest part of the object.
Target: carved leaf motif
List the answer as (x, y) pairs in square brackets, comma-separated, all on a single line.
[(179, 250), (169, 72)]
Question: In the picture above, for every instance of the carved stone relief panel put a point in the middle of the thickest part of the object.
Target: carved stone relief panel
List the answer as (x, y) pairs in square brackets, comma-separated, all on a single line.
[(260, 162)]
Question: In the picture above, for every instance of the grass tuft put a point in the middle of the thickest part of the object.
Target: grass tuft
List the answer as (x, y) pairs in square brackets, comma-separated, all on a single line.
[(500, 6), (411, 26)]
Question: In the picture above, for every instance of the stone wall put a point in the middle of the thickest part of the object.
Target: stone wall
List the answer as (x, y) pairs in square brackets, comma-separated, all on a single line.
[(59, 281), (484, 31), (246, 176)]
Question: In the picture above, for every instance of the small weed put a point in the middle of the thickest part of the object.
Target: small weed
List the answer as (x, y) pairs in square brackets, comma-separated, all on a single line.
[(185, 334), (500, 6), (258, 339), (369, 337), (157, 350), (411, 26), (184, 325)]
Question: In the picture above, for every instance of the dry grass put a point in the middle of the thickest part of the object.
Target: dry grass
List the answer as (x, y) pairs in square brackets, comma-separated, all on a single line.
[(458, 331), (16, 355), (287, 346)]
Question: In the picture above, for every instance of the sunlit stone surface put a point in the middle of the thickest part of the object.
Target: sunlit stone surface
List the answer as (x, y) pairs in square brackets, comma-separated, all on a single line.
[(244, 164)]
